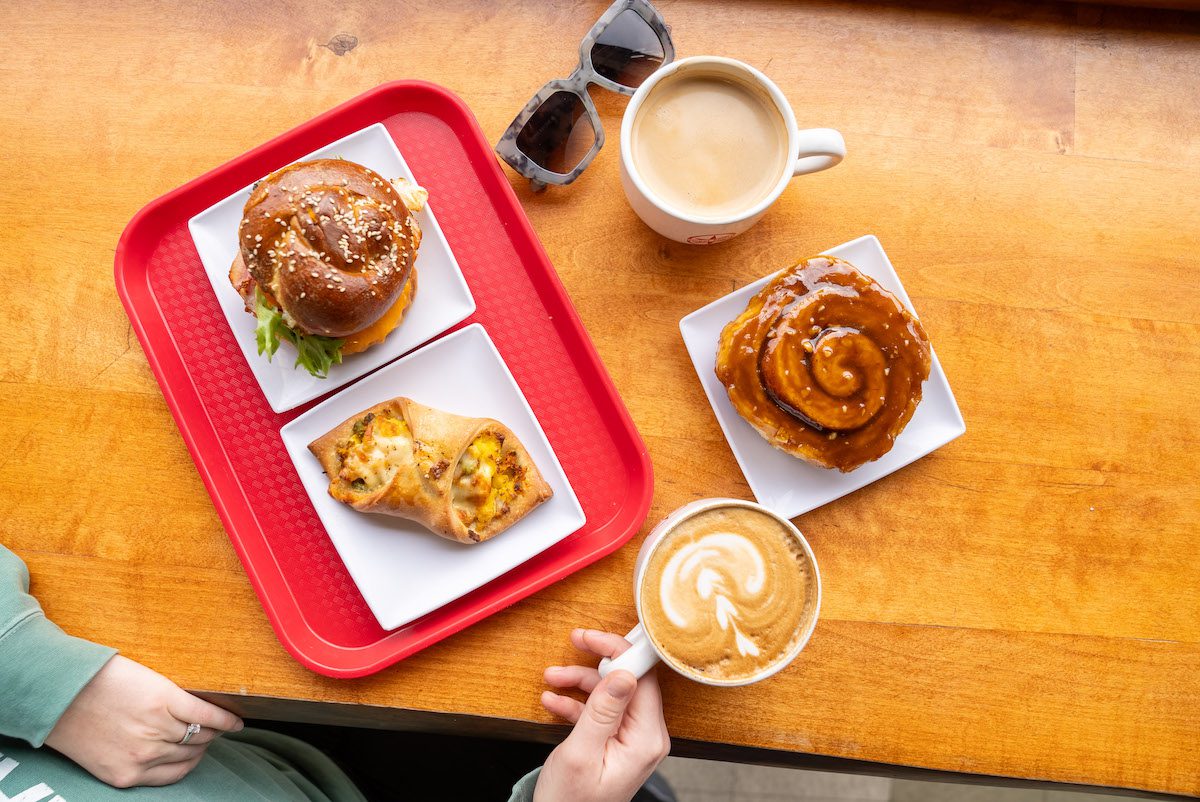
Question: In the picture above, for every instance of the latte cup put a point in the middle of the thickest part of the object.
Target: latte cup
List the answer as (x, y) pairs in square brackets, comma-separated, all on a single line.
[(644, 654), (808, 151)]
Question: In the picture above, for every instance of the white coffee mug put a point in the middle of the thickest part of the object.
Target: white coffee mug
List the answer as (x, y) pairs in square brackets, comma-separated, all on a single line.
[(810, 150), (643, 654)]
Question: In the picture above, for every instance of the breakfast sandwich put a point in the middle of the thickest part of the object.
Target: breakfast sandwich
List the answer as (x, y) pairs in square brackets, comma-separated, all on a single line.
[(326, 260)]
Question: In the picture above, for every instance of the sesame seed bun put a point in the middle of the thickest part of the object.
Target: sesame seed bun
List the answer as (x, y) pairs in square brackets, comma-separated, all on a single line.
[(330, 242)]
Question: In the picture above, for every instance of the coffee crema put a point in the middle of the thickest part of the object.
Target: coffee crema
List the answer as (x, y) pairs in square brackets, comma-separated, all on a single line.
[(727, 593), (709, 146)]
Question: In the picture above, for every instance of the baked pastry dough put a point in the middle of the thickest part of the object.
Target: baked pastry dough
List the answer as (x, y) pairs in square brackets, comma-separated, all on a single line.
[(825, 364), (466, 479)]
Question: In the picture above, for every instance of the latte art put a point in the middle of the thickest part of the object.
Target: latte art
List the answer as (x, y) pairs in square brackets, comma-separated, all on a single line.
[(718, 577), (727, 593)]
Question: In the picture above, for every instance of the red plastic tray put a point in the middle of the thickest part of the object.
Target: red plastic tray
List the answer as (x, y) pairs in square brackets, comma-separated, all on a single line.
[(233, 436)]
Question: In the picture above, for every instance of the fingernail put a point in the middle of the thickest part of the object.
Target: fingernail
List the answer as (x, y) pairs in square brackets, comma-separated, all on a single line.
[(553, 669), (621, 684), (241, 725)]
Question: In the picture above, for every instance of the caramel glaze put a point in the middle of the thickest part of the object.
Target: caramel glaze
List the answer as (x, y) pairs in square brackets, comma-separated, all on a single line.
[(825, 364)]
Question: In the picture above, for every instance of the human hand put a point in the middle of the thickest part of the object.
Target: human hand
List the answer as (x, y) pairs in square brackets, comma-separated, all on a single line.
[(124, 727), (620, 736)]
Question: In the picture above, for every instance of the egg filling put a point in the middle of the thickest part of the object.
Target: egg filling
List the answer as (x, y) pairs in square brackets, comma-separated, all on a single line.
[(486, 479)]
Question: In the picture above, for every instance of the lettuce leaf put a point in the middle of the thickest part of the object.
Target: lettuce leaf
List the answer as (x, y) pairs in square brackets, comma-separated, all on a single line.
[(316, 354)]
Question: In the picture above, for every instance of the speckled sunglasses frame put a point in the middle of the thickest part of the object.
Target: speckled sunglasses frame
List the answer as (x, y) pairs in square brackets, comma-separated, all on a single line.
[(577, 84)]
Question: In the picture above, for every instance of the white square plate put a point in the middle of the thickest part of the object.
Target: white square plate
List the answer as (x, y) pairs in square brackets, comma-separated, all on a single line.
[(788, 485), (403, 570), (442, 298)]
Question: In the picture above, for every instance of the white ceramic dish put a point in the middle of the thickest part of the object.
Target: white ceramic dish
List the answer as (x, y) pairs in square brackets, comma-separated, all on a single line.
[(403, 570), (779, 481), (442, 298)]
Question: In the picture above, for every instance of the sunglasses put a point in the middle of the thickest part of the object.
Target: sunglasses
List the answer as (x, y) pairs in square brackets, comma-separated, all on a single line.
[(558, 133)]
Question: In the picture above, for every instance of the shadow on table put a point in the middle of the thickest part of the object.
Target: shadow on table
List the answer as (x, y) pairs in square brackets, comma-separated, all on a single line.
[(389, 765)]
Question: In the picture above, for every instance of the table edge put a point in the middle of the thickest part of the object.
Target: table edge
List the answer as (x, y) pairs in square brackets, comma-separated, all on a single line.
[(368, 716)]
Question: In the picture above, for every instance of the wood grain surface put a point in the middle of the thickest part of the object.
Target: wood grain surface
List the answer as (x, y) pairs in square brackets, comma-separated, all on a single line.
[(1023, 602)]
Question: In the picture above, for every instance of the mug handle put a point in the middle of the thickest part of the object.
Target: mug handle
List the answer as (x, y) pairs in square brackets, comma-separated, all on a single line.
[(820, 149), (639, 658)]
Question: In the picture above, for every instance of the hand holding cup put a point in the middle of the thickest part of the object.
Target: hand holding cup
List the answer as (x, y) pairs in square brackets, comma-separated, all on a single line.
[(620, 736)]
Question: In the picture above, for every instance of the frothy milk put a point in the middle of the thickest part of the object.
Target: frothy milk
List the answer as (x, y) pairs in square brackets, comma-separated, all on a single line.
[(710, 146), (727, 593)]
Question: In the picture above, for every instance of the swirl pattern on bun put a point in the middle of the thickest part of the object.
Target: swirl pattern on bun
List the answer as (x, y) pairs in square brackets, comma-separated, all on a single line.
[(825, 364), (331, 243)]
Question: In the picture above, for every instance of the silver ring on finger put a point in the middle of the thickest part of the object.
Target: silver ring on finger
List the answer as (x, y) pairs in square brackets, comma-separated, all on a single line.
[(190, 734)]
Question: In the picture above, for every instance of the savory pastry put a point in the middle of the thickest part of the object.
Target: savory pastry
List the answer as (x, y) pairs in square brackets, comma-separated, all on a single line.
[(326, 258), (466, 479), (825, 364)]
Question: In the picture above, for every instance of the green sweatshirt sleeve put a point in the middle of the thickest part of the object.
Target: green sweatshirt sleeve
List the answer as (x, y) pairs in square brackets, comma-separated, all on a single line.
[(523, 790), (42, 668)]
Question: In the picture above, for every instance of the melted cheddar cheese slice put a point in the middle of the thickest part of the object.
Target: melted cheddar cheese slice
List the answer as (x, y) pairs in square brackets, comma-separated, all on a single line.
[(378, 331)]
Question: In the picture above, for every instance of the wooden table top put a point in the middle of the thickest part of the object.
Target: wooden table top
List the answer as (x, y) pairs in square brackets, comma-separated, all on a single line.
[(1023, 602)]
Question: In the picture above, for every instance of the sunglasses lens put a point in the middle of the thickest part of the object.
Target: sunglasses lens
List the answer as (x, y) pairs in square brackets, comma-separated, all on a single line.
[(559, 134), (628, 50)]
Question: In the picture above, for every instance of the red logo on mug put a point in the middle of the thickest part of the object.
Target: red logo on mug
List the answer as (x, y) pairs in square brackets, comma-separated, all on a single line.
[(711, 239)]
